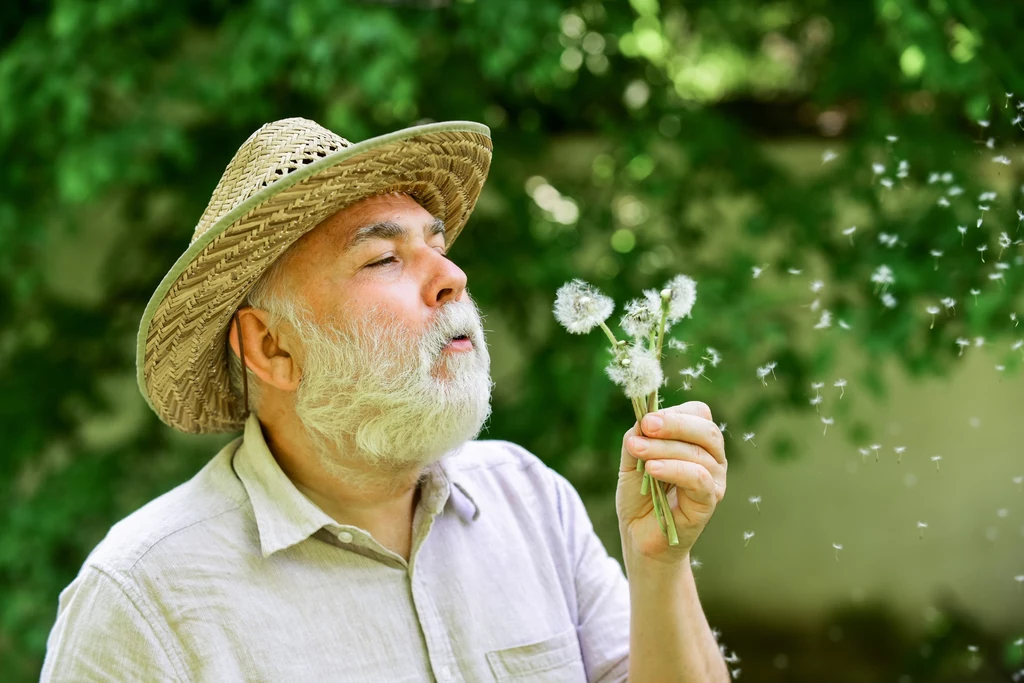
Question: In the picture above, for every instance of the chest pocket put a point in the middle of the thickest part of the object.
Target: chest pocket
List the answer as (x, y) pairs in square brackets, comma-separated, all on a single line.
[(552, 660)]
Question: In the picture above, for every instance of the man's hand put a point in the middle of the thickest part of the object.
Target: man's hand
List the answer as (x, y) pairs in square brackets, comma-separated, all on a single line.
[(690, 450)]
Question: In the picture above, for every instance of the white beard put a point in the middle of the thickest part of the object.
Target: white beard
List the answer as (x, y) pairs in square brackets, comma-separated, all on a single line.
[(376, 394)]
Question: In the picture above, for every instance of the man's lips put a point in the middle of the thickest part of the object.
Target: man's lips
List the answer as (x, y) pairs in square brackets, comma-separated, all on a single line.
[(460, 343)]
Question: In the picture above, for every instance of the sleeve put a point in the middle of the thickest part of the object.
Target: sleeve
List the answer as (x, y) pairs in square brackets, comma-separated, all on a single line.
[(602, 592), (102, 634)]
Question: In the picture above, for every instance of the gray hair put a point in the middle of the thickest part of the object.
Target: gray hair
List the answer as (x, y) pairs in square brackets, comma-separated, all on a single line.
[(281, 306)]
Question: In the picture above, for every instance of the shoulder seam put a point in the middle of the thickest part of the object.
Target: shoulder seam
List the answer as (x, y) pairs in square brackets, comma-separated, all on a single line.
[(178, 530)]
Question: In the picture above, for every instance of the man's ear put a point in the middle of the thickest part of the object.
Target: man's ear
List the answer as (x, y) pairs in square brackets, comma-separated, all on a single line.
[(266, 352)]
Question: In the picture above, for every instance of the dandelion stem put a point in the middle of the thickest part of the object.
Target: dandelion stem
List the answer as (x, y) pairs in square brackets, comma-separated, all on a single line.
[(666, 509), (608, 332)]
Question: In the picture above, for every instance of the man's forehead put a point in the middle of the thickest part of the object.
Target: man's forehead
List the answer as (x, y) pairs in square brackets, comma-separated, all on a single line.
[(341, 227)]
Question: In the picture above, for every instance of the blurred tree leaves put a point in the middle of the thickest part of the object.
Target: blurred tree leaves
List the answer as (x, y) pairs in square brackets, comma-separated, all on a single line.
[(649, 118)]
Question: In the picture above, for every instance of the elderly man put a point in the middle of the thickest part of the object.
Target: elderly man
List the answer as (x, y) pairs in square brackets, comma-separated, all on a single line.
[(356, 531)]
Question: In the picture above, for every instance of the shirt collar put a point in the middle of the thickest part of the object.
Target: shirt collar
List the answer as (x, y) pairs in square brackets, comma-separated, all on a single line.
[(285, 516)]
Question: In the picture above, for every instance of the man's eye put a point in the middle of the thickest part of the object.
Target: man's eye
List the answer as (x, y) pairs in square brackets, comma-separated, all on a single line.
[(382, 262)]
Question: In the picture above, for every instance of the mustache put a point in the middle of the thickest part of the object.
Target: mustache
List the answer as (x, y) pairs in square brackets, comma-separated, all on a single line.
[(454, 319)]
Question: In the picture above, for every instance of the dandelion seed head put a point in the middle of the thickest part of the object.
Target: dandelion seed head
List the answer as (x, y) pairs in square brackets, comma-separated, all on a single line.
[(943, 202), (886, 183), (933, 310), (713, 357), (754, 500), (946, 177), (580, 307), (883, 275), (1002, 159), (877, 169), (987, 197), (948, 302), (995, 276), (839, 383), (682, 296), (747, 535), (888, 300), (936, 253), (900, 450), (962, 229), (954, 191), (639, 318), (794, 271), (824, 321), (1004, 240), (817, 385), (748, 436), (849, 231), (817, 400), (827, 156), (936, 458), (837, 546), (817, 286), (975, 292), (843, 324), (827, 420), (638, 377), (922, 525)]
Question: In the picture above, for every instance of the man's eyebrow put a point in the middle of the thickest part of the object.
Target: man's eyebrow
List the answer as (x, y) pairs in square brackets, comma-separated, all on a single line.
[(389, 230)]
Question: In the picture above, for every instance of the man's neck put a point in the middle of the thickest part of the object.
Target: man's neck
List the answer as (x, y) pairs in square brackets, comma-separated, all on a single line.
[(350, 491)]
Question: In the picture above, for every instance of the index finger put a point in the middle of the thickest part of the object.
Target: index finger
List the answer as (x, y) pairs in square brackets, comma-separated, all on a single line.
[(685, 427)]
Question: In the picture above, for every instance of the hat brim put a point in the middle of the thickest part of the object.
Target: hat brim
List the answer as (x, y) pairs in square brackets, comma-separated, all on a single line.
[(182, 368)]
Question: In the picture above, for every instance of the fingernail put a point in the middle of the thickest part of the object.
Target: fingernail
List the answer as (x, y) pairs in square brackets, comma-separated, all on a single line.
[(652, 423), (638, 444)]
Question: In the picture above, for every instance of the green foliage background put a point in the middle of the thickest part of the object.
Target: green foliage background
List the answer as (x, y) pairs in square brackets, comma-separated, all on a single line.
[(658, 120)]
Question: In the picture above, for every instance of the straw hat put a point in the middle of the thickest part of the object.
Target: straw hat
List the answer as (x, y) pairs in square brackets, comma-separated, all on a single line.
[(288, 177)]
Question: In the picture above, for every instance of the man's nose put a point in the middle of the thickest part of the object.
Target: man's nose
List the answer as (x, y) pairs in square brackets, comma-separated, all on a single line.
[(448, 281)]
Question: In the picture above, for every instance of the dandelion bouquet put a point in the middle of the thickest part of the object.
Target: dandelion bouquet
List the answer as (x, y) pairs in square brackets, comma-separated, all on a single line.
[(635, 363)]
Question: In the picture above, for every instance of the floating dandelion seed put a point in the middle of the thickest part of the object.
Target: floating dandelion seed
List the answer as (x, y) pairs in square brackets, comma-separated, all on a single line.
[(1019, 481), (887, 239), (848, 232), (954, 191), (1016, 120), (757, 270), (962, 343), (794, 271), (1017, 345), (933, 178), (1000, 368), (962, 229), (817, 286), (987, 197), (677, 345), (936, 459), (827, 156), (1004, 242), (946, 177), (826, 421), (886, 183), (1020, 217), (816, 401), (979, 341), (841, 384), (975, 293), (1019, 578), (749, 436), (983, 207), (722, 427), (695, 563), (933, 311), (877, 169), (816, 386), (713, 357), (899, 453), (771, 366), (838, 547), (1002, 159), (943, 202), (937, 254), (883, 276), (763, 372), (843, 324), (921, 526), (888, 300), (756, 502), (876, 447), (903, 170), (998, 277), (580, 307), (891, 138), (949, 303), (824, 321), (747, 535), (990, 143), (863, 454), (983, 123), (981, 249)]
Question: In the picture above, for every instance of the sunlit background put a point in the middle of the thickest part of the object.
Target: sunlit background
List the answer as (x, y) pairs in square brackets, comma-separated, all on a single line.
[(842, 179)]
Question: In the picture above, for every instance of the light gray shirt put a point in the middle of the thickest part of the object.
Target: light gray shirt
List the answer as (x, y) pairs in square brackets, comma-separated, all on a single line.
[(236, 575)]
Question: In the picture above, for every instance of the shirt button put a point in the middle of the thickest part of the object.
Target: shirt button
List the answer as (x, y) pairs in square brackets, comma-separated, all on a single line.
[(345, 537)]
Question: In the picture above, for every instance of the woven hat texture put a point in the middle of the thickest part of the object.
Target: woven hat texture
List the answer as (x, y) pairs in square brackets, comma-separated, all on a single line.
[(283, 181)]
